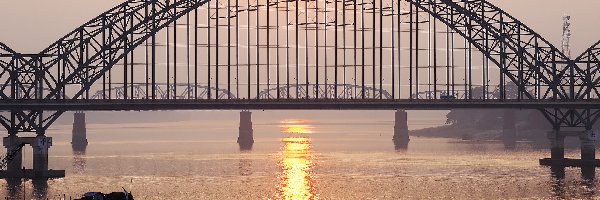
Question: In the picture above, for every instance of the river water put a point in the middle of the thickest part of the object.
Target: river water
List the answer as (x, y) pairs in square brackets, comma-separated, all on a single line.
[(293, 159)]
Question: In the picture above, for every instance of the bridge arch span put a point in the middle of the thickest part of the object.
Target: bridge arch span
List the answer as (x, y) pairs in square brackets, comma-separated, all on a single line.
[(6, 60), (524, 56), (591, 59), (92, 49)]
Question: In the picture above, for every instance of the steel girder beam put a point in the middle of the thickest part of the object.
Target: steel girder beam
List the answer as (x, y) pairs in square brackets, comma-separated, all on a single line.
[(20, 120), (292, 104), (561, 117)]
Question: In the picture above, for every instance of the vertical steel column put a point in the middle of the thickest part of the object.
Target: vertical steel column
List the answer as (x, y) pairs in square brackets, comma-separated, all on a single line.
[(154, 50), (217, 45), (380, 48), (316, 49), (277, 48), (399, 50), (307, 82), (237, 49), (102, 55), (393, 50), (429, 54), (268, 28), (132, 62), (258, 49), (485, 63), (287, 48), (297, 51), (109, 71), (466, 62), (168, 57), (355, 49), (470, 28), (417, 51), (335, 62), (174, 56), (447, 60), (229, 49), (343, 41), (325, 46), (248, 49), (208, 79), (188, 54), (374, 50), (196, 54), (435, 64), (145, 54), (362, 12), (125, 63), (453, 64), (410, 66)]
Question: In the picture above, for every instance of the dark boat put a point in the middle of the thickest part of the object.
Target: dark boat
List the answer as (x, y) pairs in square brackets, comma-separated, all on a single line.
[(112, 196)]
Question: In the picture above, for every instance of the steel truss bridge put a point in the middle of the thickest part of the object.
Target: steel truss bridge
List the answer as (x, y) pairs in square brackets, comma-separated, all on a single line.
[(303, 54)]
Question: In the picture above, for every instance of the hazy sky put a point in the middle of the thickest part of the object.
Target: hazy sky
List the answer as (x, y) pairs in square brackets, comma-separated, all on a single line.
[(31, 25)]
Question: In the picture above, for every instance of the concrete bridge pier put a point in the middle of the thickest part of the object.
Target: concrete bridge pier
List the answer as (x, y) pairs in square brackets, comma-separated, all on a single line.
[(509, 129), (557, 150), (40, 144), (557, 145), (401, 137), (12, 144), (588, 145), (246, 133), (79, 134)]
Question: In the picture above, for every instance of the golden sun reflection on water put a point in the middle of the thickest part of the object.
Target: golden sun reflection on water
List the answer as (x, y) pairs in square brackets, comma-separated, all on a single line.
[(296, 126), (296, 180)]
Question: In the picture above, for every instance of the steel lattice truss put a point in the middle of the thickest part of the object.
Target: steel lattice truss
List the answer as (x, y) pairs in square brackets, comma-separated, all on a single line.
[(346, 91), (298, 52), (162, 91)]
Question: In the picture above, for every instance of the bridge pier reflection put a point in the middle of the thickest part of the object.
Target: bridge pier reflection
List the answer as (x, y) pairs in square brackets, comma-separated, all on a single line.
[(588, 177), (246, 133), (557, 161), (557, 145), (15, 189), (40, 188), (509, 129), (79, 161)]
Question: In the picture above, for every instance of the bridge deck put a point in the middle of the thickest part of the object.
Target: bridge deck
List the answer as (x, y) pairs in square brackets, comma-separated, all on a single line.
[(281, 104)]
